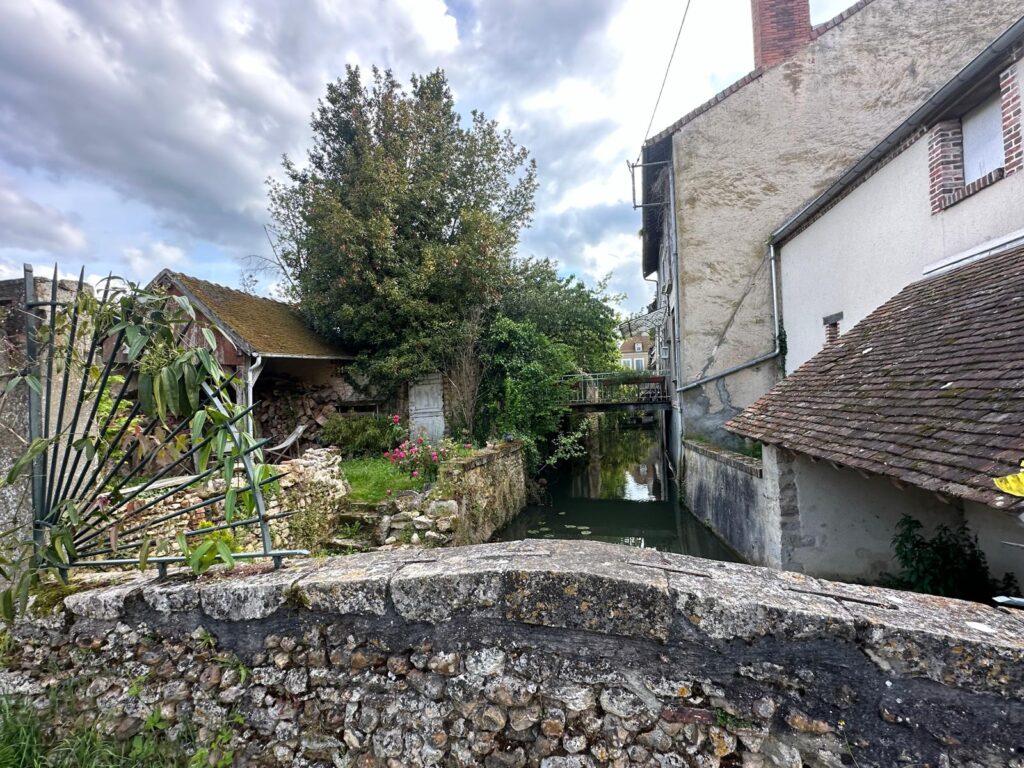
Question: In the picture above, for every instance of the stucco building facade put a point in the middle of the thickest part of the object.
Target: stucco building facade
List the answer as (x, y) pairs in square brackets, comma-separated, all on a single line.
[(718, 182)]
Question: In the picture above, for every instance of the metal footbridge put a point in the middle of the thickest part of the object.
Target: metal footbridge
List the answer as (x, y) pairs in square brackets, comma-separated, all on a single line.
[(618, 391)]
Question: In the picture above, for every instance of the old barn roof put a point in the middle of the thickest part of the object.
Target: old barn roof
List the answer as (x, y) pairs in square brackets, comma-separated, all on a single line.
[(258, 325), (928, 389)]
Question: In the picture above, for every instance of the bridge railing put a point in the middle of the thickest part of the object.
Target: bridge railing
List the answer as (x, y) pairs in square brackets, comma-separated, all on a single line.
[(616, 387)]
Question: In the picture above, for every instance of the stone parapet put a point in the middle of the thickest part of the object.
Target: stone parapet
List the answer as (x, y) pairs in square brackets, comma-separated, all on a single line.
[(539, 653)]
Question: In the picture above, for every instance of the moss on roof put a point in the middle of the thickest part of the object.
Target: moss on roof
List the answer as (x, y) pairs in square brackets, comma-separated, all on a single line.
[(266, 326)]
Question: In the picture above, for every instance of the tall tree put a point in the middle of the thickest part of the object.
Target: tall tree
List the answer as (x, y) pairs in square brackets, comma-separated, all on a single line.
[(400, 229)]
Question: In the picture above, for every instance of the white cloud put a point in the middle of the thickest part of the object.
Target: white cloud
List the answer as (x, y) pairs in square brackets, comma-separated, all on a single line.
[(180, 110), (31, 226), (146, 262)]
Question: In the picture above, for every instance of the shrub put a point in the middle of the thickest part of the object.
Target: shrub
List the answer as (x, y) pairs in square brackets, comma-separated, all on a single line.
[(950, 564), (361, 435)]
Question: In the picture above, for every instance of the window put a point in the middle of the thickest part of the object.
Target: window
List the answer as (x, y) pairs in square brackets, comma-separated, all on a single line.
[(638, 365), (638, 347), (983, 139)]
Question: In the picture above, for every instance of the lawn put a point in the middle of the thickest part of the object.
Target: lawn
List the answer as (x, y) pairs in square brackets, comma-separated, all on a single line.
[(372, 478)]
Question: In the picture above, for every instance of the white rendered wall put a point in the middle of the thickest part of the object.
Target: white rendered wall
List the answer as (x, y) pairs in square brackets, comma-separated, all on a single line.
[(878, 240), (847, 521), (993, 527)]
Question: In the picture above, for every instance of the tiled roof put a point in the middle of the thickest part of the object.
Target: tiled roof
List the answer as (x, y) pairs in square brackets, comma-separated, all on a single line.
[(928, 389), (629, 343), (265, 326)]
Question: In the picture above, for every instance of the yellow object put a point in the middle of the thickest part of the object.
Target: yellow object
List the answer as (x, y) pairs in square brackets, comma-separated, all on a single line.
[(1011, 484)]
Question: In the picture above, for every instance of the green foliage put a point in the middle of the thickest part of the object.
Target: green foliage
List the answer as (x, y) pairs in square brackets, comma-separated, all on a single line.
[(566, 311), (361, 435), (27, 740), (403, 222), (949, 564), (376, 479), (522, 394)]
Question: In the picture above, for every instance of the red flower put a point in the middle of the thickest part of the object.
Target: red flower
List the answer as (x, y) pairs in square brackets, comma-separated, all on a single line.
[(395, 419)]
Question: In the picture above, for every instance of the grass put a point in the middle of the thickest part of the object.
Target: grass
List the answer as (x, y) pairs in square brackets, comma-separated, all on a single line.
[(26, 741), (373, 479)]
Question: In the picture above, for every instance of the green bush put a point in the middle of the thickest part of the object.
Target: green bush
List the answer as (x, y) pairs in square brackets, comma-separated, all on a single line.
[(361, 435), (950, 564)]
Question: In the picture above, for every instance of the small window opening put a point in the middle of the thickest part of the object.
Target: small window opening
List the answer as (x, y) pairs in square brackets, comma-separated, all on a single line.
[(983, 139)]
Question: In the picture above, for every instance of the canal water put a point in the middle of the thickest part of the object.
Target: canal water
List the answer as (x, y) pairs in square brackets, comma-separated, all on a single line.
[(621, 492)]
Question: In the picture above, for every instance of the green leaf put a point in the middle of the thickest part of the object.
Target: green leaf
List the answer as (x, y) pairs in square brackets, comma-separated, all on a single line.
[(36, 448), (186, 305), (198, 422), (229, 503), (197, 560), (146, 395), (33, 383), (225, 553), (7, 604), (211, 340), (86, 445), (183, 544), (13, 382), (144, 552), (191, 384), (169, 389), (136, 341)]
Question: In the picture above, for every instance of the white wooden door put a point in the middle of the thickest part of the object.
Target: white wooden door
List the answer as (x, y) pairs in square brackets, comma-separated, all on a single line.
[(426, 407)]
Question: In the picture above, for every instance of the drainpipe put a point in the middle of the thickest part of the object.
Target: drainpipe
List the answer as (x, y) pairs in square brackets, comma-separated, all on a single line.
[(677, 357), (757, 360), (251, 375)]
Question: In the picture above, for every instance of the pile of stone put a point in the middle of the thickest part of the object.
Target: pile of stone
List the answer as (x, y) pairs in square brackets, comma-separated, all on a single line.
[(413, 519)]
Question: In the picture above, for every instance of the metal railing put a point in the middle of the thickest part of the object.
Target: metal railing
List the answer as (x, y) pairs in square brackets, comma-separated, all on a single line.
[(617, 388)]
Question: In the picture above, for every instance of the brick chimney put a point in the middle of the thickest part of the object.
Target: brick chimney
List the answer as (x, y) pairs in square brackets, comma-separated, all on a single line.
[(781, 28)]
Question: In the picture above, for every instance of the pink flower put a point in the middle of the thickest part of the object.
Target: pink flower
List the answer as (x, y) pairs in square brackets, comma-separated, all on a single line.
[(467, 446), (434, 456), (395, 419), (419, 440), (413, 449), (415, 473)]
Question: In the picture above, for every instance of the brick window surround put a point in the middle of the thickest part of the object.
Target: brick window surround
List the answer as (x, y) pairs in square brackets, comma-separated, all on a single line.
[(946, 150)]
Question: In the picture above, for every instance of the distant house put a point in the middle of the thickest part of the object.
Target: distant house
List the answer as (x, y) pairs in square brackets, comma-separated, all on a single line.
[(903, 289), (635, 352), (289, 371)]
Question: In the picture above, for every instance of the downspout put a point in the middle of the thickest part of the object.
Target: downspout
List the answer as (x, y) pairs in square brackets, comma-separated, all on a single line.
[(251, 375), (757, 360), (677, 357)]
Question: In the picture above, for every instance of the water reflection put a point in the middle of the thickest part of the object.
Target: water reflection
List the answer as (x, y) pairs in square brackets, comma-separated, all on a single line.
[(621, 493)]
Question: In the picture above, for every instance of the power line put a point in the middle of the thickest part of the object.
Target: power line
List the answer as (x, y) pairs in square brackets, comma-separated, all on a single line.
[(664, 80)]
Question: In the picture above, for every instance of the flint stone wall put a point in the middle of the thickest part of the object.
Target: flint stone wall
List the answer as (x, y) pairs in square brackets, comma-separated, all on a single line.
[(473, 498), (551, 654)]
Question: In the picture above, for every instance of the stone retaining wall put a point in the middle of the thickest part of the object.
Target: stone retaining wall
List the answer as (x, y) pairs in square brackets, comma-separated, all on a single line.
[(539, 653), (732, 494)]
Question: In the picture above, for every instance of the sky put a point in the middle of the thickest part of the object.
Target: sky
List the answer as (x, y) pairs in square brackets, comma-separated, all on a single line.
[(139, 135)]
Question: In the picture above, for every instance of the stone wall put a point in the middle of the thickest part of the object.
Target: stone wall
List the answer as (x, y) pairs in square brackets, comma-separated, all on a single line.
[(472, 499), (551, 654), (490, 488), (729, 492)]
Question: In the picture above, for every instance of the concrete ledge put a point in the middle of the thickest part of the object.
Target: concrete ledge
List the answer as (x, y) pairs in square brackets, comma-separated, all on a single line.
[(609, 590), (747, 464), (548, 654)]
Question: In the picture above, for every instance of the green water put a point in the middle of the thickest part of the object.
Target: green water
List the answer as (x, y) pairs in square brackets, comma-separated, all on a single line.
[(621, 493)]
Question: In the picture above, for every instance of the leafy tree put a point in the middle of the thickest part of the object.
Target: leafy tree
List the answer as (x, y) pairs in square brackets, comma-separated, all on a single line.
[(567, 311), (521, 392), (400, 229)]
